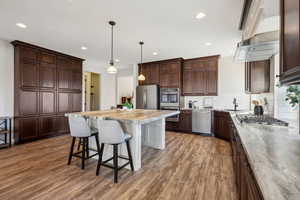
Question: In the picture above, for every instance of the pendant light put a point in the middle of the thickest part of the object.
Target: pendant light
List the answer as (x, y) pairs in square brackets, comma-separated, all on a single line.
[(112, 69), (141, 76)]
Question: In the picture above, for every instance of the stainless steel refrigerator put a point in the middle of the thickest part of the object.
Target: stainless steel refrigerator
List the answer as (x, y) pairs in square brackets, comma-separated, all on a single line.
[(147, 97)]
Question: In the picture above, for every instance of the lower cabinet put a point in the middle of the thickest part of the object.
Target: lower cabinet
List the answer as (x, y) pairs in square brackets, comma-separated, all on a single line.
[(32, 128), (221, 125), (184, 124), (247, 187)]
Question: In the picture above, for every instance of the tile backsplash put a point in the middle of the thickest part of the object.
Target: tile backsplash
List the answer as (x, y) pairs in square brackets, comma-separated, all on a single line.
[(222, 101)]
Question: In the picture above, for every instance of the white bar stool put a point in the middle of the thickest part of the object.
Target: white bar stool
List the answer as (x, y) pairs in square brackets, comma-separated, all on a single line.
[(111, 132), (80, 128)]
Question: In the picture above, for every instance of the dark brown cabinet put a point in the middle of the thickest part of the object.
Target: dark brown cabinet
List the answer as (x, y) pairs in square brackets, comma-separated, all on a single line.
[(170, 73), (151, 73), (184, 124), (165, 73), (247, 186), (257, 77), (200, 76), (47, 85), (290, 42), (221, 125)]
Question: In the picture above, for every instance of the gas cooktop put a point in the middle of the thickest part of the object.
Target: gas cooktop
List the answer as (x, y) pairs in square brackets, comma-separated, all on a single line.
[(260, 119)]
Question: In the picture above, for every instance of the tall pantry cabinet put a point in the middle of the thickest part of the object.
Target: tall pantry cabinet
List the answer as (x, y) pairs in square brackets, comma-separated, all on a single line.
[(47, 85)]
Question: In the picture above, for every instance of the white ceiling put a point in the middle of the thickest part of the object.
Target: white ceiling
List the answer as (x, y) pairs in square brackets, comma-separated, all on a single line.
[(168, 27)]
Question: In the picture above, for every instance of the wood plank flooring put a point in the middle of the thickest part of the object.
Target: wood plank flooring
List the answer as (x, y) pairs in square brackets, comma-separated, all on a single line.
[(191, 167)]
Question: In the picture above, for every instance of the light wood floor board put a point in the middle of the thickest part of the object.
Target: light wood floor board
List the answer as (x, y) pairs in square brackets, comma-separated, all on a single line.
[(191, 167)]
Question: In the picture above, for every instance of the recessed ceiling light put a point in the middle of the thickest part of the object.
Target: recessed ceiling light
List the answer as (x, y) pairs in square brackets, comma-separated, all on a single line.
[(155, 53), (200, 15), (21, 25), (117, 60), (83, 48), (207, 43)]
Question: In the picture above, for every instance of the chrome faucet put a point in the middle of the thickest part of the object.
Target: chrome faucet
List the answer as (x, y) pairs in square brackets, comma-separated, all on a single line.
[(235, 104)]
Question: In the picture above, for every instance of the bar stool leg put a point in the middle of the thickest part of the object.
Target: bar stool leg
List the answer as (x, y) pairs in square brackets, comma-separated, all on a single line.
[(129, 155), (83, 153), (115, 161), (79, 143), (100, 159), (87, 148), (71, 151)]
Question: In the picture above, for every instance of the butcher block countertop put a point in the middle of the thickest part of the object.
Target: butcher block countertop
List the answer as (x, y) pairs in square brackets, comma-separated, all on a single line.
[(136, 115)]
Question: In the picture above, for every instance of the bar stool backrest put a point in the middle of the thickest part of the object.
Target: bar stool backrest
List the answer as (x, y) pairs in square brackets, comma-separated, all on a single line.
[(79, 127), (110, 132)]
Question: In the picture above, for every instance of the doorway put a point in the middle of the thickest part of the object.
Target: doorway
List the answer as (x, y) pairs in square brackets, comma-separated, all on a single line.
[(92, 91)]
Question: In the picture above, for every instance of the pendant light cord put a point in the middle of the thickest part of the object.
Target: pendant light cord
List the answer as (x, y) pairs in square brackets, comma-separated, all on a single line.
[(112, 44), (141, 54)]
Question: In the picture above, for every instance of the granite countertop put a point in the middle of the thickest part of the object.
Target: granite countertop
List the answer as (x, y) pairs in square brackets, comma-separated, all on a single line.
[(274, 156), (135, 115)]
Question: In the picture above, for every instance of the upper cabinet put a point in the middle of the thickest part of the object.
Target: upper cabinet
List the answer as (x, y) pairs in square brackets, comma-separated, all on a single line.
[(200, 76), (257, 77), (151, 73), (166, 73), (290, 42), (170, 73)]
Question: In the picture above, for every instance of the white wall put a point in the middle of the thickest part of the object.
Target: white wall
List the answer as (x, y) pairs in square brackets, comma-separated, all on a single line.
[(6, 78), (124, 87), (108, 83), (231, 84)]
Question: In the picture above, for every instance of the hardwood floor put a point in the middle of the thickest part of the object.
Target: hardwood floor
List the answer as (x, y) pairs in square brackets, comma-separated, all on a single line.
[(191, 167)]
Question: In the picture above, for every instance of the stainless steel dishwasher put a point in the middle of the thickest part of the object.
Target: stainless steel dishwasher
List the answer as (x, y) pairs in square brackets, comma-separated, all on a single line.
[(201, 121)]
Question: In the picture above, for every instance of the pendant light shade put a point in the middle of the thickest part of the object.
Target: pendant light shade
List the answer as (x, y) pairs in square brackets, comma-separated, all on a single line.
[(141, 77), (112, 69)]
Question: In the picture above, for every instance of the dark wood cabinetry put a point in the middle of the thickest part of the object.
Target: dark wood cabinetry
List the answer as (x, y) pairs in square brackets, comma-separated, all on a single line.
[(184, 124), (151, 73), (290, 42), (200, 76), (221, 125), (257, 77), (47, 85), (165, 73), (247, 187)]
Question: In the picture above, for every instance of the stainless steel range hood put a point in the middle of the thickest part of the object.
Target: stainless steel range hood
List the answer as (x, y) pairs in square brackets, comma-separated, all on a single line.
[(260, 47)]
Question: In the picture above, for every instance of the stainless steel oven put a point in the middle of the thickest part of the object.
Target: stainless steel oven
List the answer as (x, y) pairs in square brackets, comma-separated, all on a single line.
[(174, 118), (169, 97)]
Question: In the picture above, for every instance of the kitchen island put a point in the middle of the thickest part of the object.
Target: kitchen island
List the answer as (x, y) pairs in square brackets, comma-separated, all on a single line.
[(147, 127)]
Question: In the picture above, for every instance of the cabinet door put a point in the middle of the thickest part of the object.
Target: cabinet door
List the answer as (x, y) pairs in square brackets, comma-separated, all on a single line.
[(194, 78), (290, 36), (28, 103), (247, 78), (65, 73), (77, 75), (62, 124), (222, 125), (64, 102), (47, 126), (151, 73), (169, 74), (28, 128), (47, 102), (76, 102), (185, 123), (28, 67), (260, 76), (212, 78), (47, 71)]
